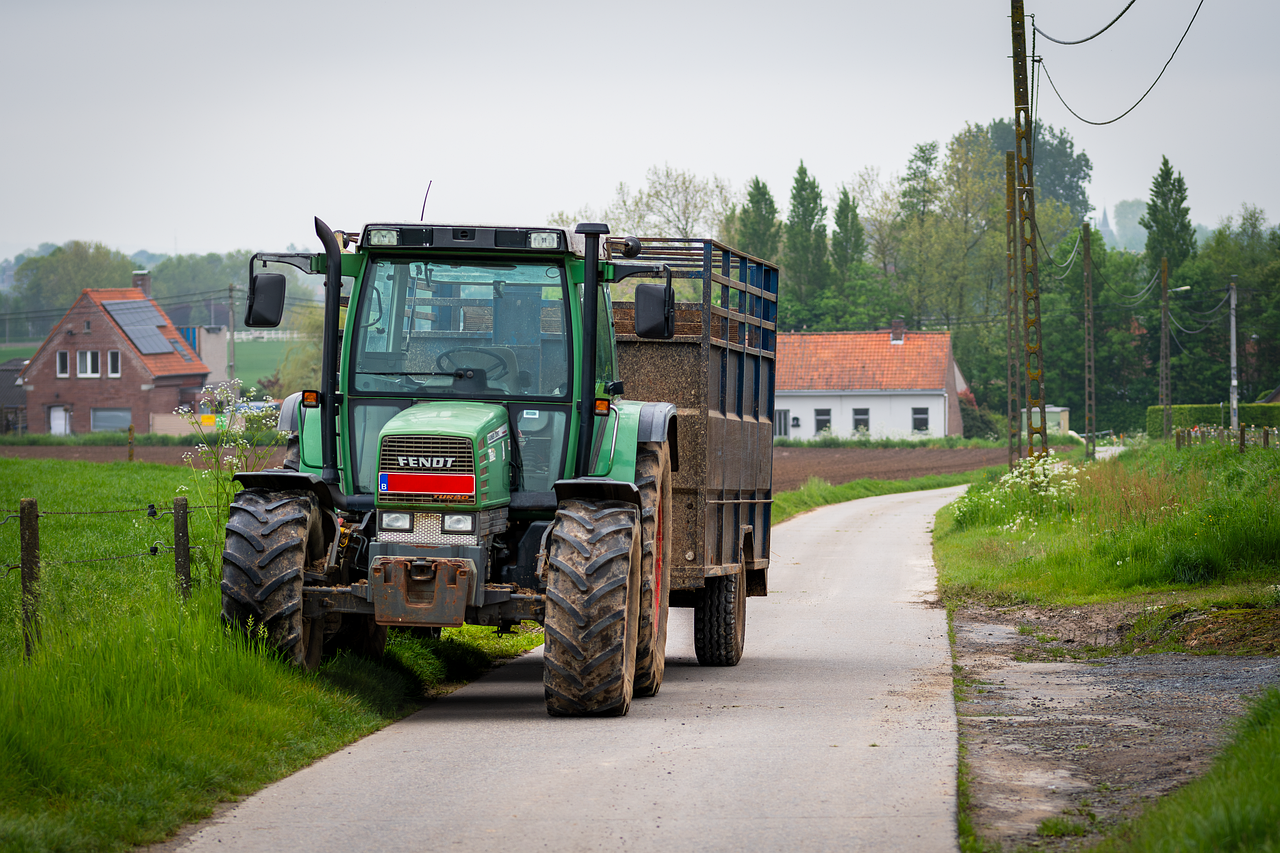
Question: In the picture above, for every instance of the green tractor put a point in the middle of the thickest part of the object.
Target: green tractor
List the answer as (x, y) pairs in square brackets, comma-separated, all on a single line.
[(470, 456)]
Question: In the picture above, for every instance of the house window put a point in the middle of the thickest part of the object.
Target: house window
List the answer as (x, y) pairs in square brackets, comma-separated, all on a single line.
[(87, 327), (862, 420), (180, 349), (110, 420), (88, 364), (920, 420), (64, 363), (821, 421), (782, 423), (113, 362)]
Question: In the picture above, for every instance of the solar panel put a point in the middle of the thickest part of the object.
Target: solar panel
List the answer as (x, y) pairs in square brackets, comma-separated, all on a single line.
[(140, 319)]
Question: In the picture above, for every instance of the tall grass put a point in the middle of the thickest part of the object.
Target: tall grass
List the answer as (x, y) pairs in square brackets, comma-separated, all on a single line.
[(1147, 520), (139, 711)]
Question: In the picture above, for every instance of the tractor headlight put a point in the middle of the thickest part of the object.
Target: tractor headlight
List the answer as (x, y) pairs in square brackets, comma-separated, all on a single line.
[(384, 237), (399, 521), (544, 239), (457, 523)]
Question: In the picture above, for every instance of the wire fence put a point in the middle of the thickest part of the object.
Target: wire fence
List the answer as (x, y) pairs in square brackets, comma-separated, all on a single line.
[(1244, 438), (30, 563)]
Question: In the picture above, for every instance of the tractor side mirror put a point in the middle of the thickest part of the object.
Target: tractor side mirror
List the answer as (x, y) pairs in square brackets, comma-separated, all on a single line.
[(266, 300), (656, 310)]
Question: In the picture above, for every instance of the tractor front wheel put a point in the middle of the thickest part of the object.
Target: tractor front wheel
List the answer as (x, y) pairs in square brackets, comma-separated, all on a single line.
[(271, 538), (653, 476), (593, 608)]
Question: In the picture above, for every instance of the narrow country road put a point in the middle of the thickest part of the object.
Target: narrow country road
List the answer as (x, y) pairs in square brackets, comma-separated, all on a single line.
[(836, 732)]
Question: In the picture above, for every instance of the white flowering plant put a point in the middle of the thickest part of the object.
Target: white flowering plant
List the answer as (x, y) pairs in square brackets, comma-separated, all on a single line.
[(234, 436), (1038, 487)]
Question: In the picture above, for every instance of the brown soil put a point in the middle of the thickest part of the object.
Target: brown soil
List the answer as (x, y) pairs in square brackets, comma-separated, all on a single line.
[(793, 466), (1058, 723), (158, 455)]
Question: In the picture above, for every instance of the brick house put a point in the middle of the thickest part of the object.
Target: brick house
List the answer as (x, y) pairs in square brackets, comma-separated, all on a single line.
[(890, 383), (113, 360)]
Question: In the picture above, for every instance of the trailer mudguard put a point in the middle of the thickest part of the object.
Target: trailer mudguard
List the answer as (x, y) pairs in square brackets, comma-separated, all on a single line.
[(658, 424)]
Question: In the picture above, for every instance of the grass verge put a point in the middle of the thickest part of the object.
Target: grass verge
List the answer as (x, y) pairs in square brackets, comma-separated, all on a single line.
[(816, 492), (139, 712)]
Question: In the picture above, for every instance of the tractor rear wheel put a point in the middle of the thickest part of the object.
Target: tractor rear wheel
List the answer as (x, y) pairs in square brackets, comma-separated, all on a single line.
[(271, 538), (593, 608), (653, 476), (720, 620)]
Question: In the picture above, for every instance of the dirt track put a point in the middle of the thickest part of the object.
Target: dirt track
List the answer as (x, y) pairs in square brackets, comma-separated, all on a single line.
[(792, 466)]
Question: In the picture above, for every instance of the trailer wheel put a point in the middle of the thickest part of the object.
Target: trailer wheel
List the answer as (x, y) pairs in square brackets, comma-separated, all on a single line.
[(270, 539), (720, 620), (653, 476), (593, 604)]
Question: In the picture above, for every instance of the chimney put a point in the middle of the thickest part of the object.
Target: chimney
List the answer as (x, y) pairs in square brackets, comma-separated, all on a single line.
[(142, 281), (899, 331)]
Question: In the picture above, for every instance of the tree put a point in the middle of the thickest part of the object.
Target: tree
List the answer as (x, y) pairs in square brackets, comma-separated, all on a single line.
[(849, 242), (49, 284), (1060, 173), (758, 231), (920, 183), (1130, 236), (1168, 220), (804, 254), (880, 207)]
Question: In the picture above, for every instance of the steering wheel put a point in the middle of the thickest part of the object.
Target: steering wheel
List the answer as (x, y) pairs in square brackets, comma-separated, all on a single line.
[(446, 361)]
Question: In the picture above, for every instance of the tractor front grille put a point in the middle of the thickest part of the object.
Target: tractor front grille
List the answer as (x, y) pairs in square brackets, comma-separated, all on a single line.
[(428, 454)]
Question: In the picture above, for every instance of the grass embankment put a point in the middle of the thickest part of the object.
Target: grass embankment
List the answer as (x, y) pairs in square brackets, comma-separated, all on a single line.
[(258, 360), (951, 442), (816, 493), (139, 712), (1173, 531)]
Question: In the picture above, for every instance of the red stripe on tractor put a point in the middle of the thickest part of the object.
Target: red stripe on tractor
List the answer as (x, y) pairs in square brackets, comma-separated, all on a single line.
[(454, 484)]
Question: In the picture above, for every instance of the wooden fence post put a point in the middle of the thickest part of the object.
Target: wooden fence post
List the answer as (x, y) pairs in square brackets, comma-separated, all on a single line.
[(1242, 439), (130, 442), (1177, 439), (29, 534), (1265, 443), (181, 547)]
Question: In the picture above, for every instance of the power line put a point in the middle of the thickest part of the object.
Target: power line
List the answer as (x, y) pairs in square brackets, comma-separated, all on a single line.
[(1086, 38), (1144, 94)]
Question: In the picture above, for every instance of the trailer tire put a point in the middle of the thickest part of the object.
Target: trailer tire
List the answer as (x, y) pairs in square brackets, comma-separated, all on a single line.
[(593, 608), (653, 476), (271, 537), (720, 620)]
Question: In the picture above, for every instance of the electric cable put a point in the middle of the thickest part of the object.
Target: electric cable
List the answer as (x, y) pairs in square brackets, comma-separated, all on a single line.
[(1086, 38), (1175, 322), (1144, 94)]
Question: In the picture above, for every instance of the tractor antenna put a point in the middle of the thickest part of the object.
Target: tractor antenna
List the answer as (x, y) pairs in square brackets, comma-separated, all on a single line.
[(423, 217)]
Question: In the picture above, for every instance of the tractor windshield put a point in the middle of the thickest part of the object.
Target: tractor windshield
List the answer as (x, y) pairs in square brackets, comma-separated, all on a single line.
[(461, 329)]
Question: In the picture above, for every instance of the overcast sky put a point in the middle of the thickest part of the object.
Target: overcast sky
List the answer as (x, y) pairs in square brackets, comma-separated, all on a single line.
[(195, 128)]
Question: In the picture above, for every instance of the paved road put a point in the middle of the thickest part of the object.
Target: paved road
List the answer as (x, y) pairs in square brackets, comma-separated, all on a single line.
[(836, 732)]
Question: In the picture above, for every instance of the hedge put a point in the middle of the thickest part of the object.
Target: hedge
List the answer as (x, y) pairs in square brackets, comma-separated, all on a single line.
[(1251, 414)]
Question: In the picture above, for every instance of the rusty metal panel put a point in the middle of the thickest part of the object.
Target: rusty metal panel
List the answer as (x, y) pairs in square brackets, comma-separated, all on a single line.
[(422, 591)]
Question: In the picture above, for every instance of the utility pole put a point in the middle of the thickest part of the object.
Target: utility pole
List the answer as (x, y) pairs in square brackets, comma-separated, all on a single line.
[(1235, 394), (1013, 315), (1028, 261), (231, 333), (1166, 402), (1090, 398)]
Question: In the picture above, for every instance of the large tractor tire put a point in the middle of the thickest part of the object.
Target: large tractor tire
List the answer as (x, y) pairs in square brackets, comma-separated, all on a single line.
[(593, 608), (720, 620), (653, 476), (271, 538)]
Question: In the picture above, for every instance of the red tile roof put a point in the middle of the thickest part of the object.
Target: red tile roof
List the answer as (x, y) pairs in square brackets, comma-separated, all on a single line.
[(161, 364), (864, 361)]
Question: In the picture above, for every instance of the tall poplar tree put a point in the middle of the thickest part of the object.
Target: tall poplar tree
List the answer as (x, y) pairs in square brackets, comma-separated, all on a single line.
[(1168, 220), (804, 254), (849, 241), (758, 228)]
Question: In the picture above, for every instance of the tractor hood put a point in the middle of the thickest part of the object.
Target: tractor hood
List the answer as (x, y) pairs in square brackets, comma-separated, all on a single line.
[(445, 454)]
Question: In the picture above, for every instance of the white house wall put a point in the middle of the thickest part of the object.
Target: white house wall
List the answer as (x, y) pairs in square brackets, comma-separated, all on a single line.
[(890, 412)]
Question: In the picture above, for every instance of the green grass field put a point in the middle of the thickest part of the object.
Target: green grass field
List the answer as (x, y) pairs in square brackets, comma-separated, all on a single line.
[(17, 351), (139, 712), (258, 360)]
